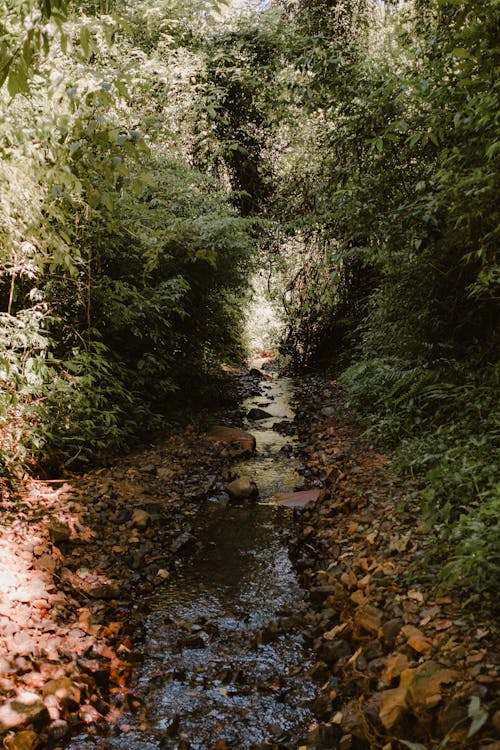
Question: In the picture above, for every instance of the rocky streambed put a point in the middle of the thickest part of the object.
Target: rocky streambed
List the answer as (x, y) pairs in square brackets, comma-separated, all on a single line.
[(161, 609), (151, 605)]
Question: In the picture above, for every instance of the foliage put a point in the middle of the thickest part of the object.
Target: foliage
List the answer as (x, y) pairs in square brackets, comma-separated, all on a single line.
[(123, 268), (387, 200)]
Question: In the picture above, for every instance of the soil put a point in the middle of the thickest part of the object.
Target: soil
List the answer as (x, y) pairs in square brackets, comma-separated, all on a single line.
[(395, 661)]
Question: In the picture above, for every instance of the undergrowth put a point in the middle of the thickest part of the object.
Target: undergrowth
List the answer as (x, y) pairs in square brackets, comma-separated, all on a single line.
[(444, 425)]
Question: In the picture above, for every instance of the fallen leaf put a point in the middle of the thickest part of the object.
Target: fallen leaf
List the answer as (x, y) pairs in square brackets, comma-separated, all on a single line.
[(416, 595), (440, 625), (330, 635)]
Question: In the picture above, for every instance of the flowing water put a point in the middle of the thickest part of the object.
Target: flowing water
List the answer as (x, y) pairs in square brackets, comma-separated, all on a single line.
[(224, 665)]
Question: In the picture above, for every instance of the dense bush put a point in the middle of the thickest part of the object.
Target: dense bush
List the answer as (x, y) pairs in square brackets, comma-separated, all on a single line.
[(388, 194), (123, 268)]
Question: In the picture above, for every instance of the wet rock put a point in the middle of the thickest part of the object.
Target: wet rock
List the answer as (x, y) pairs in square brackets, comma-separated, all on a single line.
[(390, 630), (123, 516), (182, 541), (103, 590), (22, 711), (454, 713), (47, 563), (393, 706), (416, 639), (243, 488), (95, 668), (173, 726), (322, 707), (195, 640), (373, 650), (63, 690), (256, 414)]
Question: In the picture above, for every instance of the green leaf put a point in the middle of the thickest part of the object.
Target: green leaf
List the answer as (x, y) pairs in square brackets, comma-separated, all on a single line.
[(462, 53), (18, 82), (85, 41)]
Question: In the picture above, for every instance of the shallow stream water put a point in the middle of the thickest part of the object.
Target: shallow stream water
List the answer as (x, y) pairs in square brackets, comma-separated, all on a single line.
[(224, 665)]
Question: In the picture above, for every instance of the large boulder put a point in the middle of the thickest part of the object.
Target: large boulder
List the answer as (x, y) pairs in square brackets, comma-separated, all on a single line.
[(243, 488)]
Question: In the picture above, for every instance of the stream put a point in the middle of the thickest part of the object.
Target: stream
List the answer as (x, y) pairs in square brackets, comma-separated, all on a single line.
[(224, 665)]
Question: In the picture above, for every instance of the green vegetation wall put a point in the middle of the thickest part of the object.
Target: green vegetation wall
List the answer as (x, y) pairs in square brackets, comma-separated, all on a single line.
[(123, 268), (389, 196)]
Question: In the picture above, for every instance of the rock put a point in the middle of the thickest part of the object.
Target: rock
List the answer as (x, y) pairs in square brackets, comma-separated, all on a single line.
[(243, 488), (395, 665), (495, 721), (390, 630), (181, 541), (393, 706), (368, 618), (58, 532), (256, 414), (64, 690), (47, 563), (452, 714), (228, 435), (416, 639), (425, 685), (332, 651), (297, 499), (140, 518), (22, 711), (322, 707), (101, 589), (25, 740)]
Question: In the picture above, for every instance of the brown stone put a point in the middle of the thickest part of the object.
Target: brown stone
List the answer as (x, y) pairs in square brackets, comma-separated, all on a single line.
[(47, 563), (64, 690), (297, 499), (416, 639), (58, 532), (391, 629), (243, 488), (25, 740), (22, 711), (140, 518), (368, 618), (393, 706), (228, 435), (425, 685)]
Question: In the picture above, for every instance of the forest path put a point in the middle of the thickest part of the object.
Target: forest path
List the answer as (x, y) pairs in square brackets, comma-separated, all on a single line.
[(101, 573)]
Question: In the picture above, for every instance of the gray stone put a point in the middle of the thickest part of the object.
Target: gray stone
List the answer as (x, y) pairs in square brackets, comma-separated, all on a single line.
[(256, 414)]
